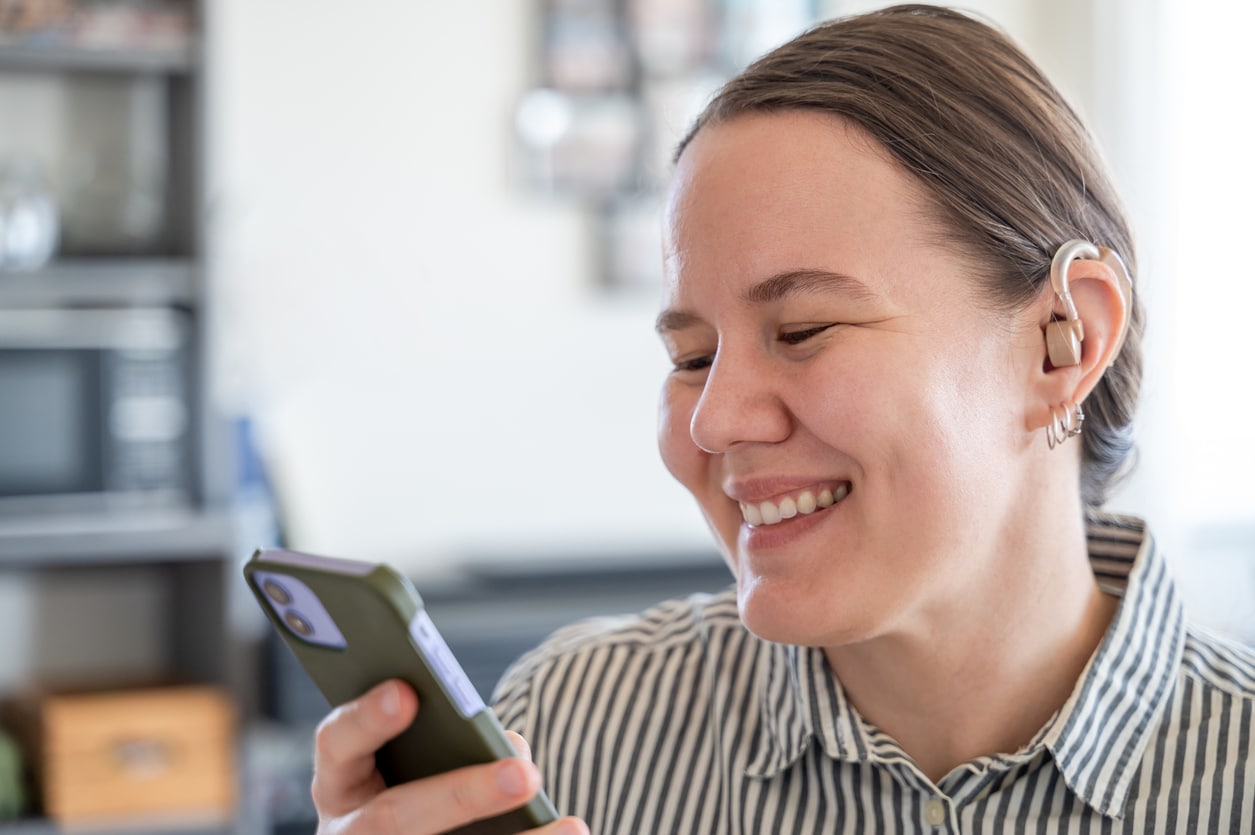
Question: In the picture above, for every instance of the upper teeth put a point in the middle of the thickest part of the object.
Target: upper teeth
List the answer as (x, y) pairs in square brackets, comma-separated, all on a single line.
[(771, 513)]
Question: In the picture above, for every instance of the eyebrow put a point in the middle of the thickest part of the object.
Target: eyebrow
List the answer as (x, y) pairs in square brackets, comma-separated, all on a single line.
[(776, 288), (807, 282)]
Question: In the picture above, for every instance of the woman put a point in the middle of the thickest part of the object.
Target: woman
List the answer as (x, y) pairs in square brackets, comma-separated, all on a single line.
[(895, 272)]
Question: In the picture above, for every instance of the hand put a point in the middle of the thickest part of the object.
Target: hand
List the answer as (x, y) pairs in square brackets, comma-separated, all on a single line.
[(352, 799)]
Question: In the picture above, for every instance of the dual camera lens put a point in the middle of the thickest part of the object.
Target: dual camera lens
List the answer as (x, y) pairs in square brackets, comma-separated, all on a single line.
[(276, 592)]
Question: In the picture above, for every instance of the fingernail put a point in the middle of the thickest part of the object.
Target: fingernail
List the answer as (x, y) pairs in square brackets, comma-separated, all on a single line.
[(511, 779), (390, 701), (570, 828)]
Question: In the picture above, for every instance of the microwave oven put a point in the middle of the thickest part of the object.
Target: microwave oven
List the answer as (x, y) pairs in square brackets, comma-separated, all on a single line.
[(95, 409)]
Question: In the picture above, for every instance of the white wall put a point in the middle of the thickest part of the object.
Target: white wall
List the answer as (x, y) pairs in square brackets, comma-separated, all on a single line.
[(422, 342), (1209, 214)]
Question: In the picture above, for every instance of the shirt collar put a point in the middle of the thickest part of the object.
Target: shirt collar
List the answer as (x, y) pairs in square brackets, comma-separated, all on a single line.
[(1092, 740), (1099, 735), (803, 702)]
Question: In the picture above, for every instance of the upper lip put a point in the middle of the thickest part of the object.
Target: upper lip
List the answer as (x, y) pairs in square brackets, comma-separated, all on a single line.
[(762, 489)]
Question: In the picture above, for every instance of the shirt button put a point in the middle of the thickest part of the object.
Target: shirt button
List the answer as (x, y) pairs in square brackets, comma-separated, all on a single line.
[(935, 812)]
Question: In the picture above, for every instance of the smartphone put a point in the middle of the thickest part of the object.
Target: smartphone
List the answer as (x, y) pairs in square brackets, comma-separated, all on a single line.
[(354, 624)]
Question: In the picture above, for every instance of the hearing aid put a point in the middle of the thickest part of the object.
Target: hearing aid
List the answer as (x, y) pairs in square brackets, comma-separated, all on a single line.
[(1064, 336)]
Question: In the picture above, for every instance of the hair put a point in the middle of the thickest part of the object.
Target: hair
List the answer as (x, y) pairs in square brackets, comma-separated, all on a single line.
[(1005, 161)]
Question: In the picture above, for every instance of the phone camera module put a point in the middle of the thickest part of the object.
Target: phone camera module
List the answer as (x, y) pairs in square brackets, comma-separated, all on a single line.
[(276, 592), (298, 624), (295, 607)]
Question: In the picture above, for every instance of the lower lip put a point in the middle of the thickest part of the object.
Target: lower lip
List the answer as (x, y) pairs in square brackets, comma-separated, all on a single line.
[(768, 537)]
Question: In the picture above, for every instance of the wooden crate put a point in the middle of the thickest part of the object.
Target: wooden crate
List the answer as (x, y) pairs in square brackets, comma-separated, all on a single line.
[(132, 752)]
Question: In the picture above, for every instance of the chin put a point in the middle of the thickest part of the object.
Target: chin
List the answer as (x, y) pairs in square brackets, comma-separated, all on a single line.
[(783, 613)]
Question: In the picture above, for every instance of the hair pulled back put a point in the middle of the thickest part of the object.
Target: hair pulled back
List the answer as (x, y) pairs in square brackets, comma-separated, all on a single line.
[(1012, 172)]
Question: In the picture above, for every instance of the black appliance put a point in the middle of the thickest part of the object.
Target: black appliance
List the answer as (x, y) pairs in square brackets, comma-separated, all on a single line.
[(95, 410)]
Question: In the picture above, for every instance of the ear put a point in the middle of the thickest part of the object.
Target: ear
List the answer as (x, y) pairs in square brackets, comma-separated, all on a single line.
[(1101, 292)]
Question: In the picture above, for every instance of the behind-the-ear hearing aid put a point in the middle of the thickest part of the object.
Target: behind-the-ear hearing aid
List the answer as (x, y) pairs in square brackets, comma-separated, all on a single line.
[(1064, 337)]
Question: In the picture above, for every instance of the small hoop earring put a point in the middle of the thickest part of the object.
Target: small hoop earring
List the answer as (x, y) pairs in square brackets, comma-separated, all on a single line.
[(1065, 423), (1053, 439), (1077, 421)]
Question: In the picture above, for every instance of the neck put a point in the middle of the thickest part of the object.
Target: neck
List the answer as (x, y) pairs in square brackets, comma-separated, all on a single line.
[(949, 688)]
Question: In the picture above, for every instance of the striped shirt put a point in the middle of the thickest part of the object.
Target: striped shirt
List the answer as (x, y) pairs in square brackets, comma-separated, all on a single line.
[(680, 721)]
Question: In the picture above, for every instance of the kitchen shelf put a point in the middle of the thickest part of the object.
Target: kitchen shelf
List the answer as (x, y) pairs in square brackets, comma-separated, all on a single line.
[(77, 556), (85, 539), (44, 58), (101, 282)]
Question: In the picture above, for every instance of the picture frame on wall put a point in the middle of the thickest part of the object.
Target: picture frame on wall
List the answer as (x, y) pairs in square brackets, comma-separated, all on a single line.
[(619, 83)]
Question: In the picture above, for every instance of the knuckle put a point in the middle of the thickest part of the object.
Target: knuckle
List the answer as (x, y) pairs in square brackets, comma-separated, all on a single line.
[(317, 794), (465, 796), (386, 815), (325, 735), (321, 794)]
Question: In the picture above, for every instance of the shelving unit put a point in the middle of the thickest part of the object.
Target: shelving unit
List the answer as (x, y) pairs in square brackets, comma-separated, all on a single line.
[(184, 553), (94, 539), (96, 282), (165, 60)]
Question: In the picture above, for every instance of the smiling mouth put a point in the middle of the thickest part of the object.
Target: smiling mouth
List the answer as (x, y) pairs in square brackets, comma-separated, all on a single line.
[(804, 503)]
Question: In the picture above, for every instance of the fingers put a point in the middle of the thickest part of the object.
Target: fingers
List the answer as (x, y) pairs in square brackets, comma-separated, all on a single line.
[(520, 745), (351, 797), (346, 741), (565, 826), (451, 800)]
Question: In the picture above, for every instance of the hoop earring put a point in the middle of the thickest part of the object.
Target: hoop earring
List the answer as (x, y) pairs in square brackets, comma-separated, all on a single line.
[(1064, 424), (1053, 440)]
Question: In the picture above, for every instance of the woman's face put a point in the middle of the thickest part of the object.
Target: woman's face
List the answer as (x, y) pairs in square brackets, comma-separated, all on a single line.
[(848, 414)]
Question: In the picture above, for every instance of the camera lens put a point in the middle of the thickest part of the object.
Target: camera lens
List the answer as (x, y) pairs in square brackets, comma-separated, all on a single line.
[(298, 624), (276, 592)]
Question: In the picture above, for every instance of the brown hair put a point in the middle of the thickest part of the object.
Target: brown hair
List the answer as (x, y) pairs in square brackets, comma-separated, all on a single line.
[(1011, 169)]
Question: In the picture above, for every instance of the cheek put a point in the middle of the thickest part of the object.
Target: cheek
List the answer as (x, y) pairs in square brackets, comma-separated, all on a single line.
[(693, 468), (680, 455), (956, 432)]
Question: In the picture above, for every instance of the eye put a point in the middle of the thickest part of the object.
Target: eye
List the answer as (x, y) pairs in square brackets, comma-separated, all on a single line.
[(695, 363), (797, 337)]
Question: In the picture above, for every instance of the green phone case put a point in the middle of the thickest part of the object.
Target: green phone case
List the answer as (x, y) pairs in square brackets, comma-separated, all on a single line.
[(387, 634)]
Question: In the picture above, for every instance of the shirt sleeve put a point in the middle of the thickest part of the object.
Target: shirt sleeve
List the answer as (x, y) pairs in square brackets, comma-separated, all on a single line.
[(512, 699)]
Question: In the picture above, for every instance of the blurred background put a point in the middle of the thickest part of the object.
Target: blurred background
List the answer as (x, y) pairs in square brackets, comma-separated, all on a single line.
[(378, 280)]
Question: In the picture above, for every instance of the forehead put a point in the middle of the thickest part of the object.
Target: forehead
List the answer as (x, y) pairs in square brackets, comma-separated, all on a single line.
[(763, 194)]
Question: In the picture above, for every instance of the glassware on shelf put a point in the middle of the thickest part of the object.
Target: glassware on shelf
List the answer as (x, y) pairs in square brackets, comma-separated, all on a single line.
[(29, 225), (115, 168)]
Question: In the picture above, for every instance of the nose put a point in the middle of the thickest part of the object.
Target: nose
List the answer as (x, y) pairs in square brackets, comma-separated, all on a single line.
[(740, 403)]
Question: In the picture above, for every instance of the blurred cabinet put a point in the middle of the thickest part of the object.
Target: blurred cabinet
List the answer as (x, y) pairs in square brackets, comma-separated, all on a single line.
[(101, 107), (124, 599)]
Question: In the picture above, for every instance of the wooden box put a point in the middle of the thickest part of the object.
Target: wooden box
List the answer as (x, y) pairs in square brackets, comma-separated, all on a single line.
[(131, 753)]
